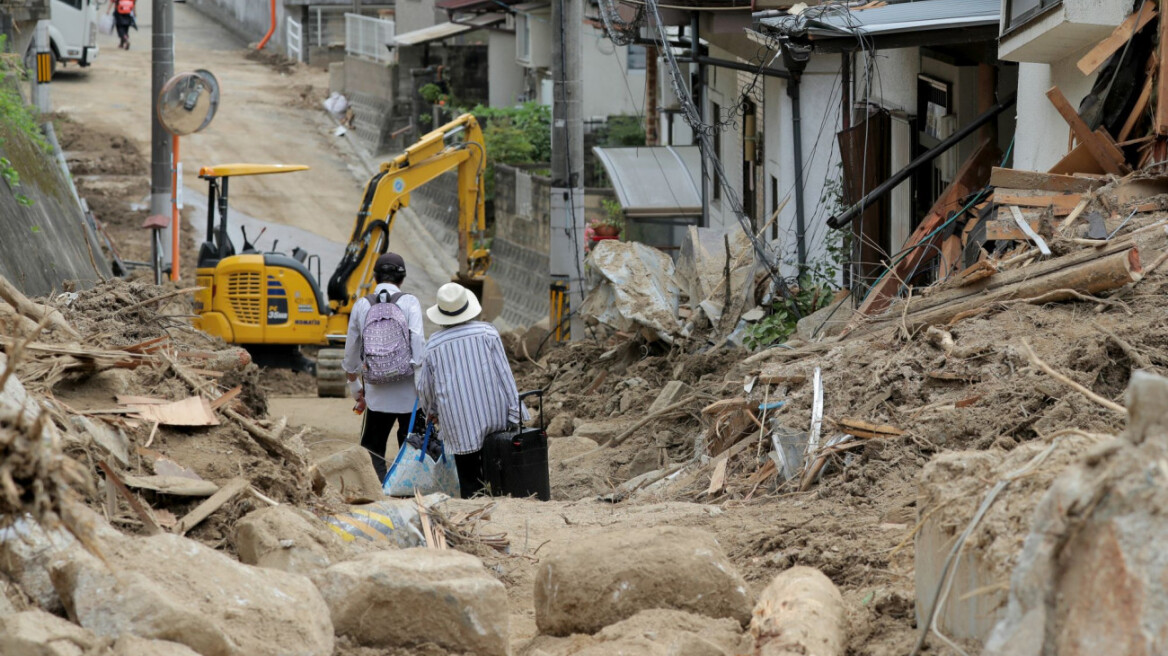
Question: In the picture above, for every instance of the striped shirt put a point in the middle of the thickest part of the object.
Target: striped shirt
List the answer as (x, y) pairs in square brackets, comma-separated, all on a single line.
[(466, 382)]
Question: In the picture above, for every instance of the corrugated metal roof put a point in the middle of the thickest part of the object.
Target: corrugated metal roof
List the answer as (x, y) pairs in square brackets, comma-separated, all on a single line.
[(432, 33), (923, 15), (655, 180)]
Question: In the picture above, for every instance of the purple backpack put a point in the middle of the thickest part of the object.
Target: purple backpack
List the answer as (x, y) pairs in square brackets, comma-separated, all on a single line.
[(386, 337)]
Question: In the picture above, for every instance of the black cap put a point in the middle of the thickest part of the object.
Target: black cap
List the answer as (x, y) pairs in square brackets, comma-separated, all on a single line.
[(390, 263)]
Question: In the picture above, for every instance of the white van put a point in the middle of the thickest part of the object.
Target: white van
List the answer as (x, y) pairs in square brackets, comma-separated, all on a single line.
[(72, 32)]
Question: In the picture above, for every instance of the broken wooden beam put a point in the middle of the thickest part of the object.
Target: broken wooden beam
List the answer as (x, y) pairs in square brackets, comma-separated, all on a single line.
[(206, 508), (1039, 181), (1059, 202), (35, 311), (1089, 272), (1123, 33), (1105, 152)]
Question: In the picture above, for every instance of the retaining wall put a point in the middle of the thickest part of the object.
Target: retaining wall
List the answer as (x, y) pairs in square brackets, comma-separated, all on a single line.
[(44, 239), (249, 20)]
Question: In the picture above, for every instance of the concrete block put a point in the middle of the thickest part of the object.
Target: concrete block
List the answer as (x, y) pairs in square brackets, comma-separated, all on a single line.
[(350, 473), (166, 587), (600, 579), (415, 596), (287, 538), (561, 426), (673, 392)]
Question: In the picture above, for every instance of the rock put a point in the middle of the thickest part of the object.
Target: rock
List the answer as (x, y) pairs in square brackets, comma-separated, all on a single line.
[(561, 426), (600, 579), (673, 392), (166, 587), (27, 548), (287, 538), (350, 474), (1090, 579), (414, 596), (651, 633), (800, 612), (37, 633), (601, 431), (131, 645)]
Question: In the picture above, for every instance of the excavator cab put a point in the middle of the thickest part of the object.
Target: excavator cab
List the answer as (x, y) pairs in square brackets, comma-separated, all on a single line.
[(267, 301)]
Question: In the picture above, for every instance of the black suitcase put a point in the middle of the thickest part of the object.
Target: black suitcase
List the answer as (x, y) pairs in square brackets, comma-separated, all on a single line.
[(515, 462)]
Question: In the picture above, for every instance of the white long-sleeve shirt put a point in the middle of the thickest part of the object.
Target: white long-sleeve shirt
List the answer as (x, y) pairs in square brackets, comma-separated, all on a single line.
[(399, 396), (467, 382)]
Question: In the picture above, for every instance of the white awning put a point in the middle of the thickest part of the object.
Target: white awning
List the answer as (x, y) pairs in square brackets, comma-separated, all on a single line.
[(432, 33), (922, 15), (655, 180)]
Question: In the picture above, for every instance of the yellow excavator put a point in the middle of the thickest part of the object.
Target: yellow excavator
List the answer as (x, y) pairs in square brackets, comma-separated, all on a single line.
[(272, 304)]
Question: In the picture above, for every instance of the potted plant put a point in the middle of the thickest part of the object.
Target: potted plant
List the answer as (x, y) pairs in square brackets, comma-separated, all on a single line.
[(613, 223)]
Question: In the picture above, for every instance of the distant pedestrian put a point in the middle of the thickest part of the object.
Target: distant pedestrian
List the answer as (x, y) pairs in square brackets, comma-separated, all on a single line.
[(123, 11), (465, 384), (386, 403)]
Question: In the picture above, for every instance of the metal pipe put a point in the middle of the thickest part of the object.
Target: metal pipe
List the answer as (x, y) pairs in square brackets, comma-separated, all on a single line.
[(271, 28), (888, 185), (695, 39), (739, 66), (797, 142)]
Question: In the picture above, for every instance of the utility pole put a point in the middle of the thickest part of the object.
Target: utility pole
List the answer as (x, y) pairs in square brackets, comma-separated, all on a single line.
[(652, 111), (567, 201), (44, 71), (161, 70)]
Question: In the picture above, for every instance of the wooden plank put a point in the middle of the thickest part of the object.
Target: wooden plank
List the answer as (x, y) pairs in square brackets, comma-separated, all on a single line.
[(148, 524), (205, 509), (1065, 202), (226, 397), (999, 230), (718, 479), (1137, 111), (1160, 123), (191, 411), (1075, 214), (1029, 230), (1104, 153), (850, 425), (129, 399), (179, 486), (951, 256), (1077, 161), (1019, 179), (1123, 33), (980, 271)]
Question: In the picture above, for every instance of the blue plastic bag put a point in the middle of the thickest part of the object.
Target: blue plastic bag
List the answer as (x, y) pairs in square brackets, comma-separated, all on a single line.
[(413, 471)]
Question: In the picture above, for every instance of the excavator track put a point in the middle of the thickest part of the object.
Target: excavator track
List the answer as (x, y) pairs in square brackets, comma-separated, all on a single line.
[(330, 376)]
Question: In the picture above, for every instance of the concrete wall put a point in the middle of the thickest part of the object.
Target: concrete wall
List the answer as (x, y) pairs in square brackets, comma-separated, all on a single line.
[(249, 19), (609, 86), (410, 15), (1042, 133), (820, 121), (45, 241), (519, 252), (371, 89), (505, 76)]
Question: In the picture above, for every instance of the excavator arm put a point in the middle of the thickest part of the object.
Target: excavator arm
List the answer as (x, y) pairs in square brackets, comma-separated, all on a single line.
[(458, 145)]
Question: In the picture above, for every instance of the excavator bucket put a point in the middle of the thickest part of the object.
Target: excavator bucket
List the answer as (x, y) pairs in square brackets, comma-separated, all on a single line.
[(488, 292)]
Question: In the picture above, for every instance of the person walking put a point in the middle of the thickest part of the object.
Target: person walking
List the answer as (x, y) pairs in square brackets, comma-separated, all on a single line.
[(123, 11), (465, 384), (385, 330)]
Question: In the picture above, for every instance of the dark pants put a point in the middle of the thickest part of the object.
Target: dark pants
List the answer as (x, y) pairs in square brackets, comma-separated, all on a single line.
[(375, 434), (123, 22), (470, 473)]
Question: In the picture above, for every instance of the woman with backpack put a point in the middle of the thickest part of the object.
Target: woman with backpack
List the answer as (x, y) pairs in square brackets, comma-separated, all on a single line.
[(123, 11), (384, 346)]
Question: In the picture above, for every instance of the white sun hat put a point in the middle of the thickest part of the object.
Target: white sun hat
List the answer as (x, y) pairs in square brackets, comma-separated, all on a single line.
[(456, 304)]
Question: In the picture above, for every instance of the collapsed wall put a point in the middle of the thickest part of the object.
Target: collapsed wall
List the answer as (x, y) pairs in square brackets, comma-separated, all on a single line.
[(46, 241)]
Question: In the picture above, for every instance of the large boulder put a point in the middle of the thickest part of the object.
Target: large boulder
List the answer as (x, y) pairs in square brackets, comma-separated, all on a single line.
[(287, 538), (131, 645), (26, 549), (166, 587), (589, 583), (37, 633), (350, 474), (1092, 577), (415, 596), (651, 633)]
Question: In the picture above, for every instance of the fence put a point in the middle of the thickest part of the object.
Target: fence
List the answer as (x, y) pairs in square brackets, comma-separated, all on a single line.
[(294, 42), (369, 37)]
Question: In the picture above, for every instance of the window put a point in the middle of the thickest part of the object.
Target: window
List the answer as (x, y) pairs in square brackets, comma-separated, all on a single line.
[(522, 37), (1018, 12), (636, 58), (76, 4), (774, 208)]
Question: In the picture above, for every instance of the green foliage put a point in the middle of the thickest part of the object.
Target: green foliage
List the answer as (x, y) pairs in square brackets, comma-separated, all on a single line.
[(16, 117), (514, 135), (432, 93), (775, 328), (621, 130)]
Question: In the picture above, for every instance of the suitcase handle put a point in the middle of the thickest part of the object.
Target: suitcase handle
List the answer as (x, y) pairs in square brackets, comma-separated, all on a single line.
[(538, 393)]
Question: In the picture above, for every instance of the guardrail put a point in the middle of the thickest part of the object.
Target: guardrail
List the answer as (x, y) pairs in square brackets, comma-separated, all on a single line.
[(369, 37)]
